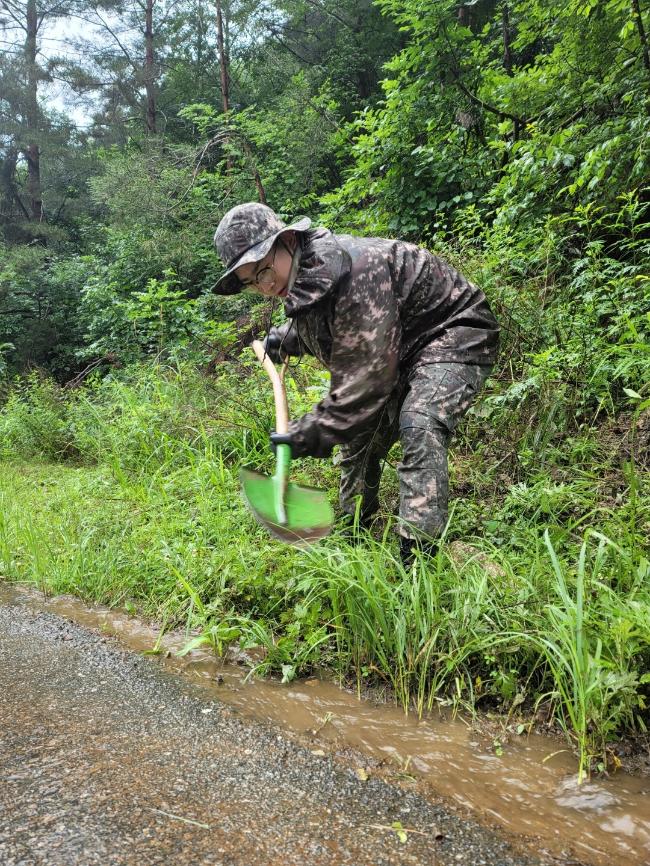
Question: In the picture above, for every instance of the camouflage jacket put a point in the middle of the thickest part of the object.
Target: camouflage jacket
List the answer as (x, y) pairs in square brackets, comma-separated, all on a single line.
[(369, 309)]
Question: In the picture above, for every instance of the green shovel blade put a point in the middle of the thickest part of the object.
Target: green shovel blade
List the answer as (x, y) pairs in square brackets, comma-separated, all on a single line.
[(307, 515)]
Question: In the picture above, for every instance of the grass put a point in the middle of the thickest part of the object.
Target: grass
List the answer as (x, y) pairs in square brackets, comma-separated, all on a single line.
[(127, 494)]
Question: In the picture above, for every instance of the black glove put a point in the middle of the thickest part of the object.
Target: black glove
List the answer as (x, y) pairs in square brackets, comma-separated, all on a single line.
[(272, 345), (300, 447), (279, 439)]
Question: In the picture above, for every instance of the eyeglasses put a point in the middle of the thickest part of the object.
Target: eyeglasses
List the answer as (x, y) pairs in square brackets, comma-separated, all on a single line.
[(263, 279)]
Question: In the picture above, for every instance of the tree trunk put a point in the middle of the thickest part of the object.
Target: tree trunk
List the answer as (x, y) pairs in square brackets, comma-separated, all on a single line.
[(223, 71), (9, 194), (31, 150), (8, 182), (200, 38), (505, 26), (149, 72), (636, 13), (261, 192), (223, 61)]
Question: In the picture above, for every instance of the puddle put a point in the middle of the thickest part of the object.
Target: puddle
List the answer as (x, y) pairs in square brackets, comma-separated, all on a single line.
[(528, 790)]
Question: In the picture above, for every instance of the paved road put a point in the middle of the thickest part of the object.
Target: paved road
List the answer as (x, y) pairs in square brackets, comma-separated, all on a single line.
[(106, 759)]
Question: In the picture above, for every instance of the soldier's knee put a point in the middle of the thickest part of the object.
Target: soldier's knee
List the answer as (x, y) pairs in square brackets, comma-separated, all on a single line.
[(423, 440)]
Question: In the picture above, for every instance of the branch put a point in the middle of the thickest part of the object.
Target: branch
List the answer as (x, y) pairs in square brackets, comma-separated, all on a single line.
[(455, 71), (261, 192), (164, 18), (17, 19), (323, 114), (500, 112), (274, 34), (15, 7), (355, 28), (50, 11), (20, 204), (56, 216), (26, 314), (110, 358), (636, 6), (105, 25)]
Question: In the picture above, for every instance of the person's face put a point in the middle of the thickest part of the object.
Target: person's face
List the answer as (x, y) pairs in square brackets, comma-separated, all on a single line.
[(270, 276)]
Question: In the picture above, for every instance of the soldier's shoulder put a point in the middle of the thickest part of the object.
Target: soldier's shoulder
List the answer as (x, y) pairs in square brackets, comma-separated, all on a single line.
[(367, 247)]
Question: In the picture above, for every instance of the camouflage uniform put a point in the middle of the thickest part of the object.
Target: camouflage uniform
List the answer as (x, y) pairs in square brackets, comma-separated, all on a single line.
[(422, 412), (408, 342)]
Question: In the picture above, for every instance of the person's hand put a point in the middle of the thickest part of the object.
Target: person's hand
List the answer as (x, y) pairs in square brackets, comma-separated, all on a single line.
[(272, 344), (279, 439)]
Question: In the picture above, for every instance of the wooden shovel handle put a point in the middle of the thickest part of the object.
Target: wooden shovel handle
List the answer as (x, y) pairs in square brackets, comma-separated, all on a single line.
[(279, 391)]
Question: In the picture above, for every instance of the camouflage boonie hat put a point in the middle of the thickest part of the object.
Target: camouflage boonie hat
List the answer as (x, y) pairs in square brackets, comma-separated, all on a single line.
[(246, 234)]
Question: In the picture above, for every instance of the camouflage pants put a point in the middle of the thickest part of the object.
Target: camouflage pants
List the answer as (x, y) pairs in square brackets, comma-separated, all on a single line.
[(423, 412)]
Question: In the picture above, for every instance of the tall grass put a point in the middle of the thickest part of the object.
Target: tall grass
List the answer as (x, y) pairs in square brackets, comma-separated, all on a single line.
[(596, 685), (546, 600), (414, 626), (446, 628)]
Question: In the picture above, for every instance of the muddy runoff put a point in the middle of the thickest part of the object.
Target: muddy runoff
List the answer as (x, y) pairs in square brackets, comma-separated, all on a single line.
[(530, 789)]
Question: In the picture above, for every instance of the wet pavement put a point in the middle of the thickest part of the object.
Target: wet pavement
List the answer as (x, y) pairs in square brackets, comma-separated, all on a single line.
[(528, 787), (107, 759)]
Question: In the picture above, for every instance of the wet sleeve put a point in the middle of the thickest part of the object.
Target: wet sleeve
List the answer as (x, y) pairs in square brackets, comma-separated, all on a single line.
[(364, 362)]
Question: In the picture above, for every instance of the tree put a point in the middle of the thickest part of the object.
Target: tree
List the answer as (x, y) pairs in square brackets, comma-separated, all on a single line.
[(126, 50), (345, 43), (22, 119), (525, 108)]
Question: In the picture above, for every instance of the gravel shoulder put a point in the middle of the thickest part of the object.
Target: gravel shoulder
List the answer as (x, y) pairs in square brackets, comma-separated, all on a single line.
[(107, 759)]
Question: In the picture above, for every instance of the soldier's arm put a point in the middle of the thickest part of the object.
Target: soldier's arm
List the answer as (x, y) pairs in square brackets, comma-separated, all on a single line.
[(364, 362)]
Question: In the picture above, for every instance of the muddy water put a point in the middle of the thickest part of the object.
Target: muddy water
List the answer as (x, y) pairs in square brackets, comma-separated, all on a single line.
[(531, 789)]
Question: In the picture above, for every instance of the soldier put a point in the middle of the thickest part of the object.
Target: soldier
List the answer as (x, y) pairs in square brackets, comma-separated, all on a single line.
[(407, 339)]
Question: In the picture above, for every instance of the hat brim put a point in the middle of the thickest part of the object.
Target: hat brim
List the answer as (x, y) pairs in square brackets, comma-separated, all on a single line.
[(229, 283)]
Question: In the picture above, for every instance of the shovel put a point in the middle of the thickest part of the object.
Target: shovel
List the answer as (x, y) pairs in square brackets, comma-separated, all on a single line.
[(294, 514)]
